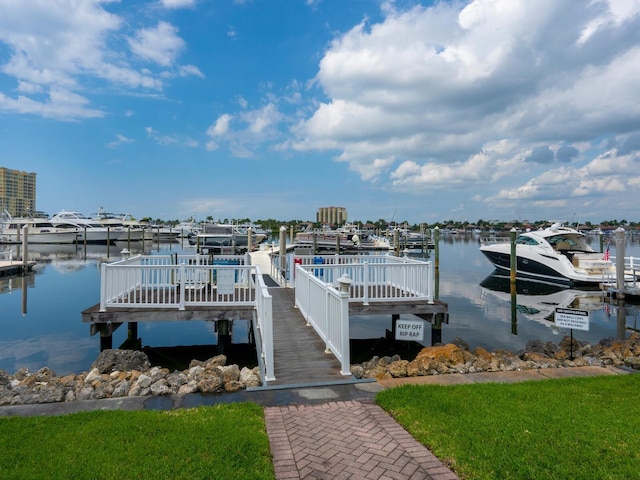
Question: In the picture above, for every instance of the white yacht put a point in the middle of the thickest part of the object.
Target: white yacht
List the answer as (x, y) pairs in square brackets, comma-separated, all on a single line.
[(556, 253), (130, 230), (39, 231), (86, 230)]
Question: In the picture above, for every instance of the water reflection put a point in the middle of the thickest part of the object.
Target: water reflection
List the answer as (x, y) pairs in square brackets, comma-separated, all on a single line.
[(43, 326), (538, 301)]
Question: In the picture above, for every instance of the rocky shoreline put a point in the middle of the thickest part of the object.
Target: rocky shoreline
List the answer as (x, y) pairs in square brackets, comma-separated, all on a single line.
[(124, 373), (456, 357), (128, 373)]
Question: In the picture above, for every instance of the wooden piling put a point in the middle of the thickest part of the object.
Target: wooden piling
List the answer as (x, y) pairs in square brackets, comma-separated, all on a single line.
[(514, 261)]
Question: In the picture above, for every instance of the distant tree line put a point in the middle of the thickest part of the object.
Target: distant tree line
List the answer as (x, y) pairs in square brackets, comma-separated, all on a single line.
[(273, 225)]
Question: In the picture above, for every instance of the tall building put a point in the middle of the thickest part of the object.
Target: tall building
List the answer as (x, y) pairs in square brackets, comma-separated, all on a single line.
[(332, 215), (17, 192)]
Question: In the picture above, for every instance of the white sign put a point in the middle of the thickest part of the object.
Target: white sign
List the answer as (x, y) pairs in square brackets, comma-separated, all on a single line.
[(570, 318), (225, 277), (410, 330)]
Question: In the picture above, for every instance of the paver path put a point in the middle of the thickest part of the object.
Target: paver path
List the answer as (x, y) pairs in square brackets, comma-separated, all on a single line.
[(346, 440)]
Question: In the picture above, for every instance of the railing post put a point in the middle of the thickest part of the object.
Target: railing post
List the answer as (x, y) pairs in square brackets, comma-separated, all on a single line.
[(103, 287), (432, 281), (345, 353), (365, 284), (182, 285)]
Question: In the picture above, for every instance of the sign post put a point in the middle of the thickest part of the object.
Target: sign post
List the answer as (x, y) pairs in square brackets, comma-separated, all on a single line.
[(572, 318)]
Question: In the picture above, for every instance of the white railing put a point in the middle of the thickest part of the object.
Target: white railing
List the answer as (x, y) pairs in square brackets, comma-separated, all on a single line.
[(324, 290), (375, 278), (326, 309), (264, 309), (631, 269), (158, 282)]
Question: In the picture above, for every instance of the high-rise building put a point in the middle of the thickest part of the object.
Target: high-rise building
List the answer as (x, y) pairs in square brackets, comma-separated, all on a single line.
[(17, 192), (332, 215)]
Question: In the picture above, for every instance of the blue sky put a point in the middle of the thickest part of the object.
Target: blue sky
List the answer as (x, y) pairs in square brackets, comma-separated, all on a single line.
[(397, 110)]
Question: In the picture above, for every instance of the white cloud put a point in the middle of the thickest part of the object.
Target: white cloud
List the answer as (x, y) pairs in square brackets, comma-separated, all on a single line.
[(74, 47), (160, 44), (173, 139), (462, 94), (175, 4), (221, 126), (120, 140)]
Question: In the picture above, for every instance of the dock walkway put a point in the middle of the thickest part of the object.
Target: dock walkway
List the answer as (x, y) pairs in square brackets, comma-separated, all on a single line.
[(299, 355), (14, 267)]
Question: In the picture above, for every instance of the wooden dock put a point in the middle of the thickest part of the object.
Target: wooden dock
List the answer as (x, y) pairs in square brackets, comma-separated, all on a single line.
[(14, 267), (299, 355)]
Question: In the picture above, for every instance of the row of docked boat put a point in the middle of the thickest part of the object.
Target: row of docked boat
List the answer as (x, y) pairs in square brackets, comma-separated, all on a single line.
[(69, 226), (221, 236), (350, 237)]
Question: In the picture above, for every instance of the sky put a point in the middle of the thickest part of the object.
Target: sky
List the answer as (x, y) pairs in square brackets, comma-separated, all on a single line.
[(400, 110)]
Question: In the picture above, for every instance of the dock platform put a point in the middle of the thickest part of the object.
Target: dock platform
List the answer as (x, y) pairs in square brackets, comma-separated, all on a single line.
[(15, 267), (305, 339)]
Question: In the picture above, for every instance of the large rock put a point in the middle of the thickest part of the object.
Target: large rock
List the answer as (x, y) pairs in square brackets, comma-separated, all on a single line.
[(121, 360)]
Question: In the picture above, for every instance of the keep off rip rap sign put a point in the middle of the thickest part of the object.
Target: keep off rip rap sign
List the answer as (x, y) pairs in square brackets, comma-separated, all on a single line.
[(570, 318), (409, 330)]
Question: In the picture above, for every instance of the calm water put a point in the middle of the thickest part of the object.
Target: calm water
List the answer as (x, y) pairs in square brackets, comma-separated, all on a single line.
[(40, 314)]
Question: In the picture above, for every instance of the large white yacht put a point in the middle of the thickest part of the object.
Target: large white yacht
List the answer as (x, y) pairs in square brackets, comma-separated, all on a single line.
[(86, 229), (39, 231), (556, 253)]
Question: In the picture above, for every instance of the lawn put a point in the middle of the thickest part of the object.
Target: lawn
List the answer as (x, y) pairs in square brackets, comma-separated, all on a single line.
[(221, 442), (555, 429)]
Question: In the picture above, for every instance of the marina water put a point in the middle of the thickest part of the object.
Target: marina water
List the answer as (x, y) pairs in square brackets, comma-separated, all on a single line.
[(40, 313)]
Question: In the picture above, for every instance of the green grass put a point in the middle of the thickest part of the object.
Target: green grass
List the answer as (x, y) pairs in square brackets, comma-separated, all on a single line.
[(556, 429), (579, 428), (221, 442)]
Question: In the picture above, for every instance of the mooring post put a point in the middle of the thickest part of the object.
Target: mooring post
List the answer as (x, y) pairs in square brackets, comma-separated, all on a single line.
[(436, 329), (436, 263), (223, 327), (601, 237), (106, 339), (249, 239), (283, 252), (132, 331), (436, 248), (620, 262), (514, 262), (396, 242), (25, 247)]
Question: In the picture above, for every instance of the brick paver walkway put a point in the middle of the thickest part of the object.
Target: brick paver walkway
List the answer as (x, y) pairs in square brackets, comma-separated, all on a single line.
[(346, 440)]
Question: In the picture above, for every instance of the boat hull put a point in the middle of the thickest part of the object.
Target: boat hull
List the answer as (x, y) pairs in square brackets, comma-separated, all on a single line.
[(40, 238), (527, 267)]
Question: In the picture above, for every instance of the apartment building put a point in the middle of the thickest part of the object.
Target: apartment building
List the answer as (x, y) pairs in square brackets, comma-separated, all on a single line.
[(17, 192), (331, 215)]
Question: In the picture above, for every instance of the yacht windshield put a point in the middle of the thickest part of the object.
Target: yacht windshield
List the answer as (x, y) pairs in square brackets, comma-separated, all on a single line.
[(524, 240)]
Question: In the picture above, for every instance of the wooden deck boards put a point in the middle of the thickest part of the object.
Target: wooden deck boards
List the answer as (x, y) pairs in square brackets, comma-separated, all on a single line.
[(299, 355)]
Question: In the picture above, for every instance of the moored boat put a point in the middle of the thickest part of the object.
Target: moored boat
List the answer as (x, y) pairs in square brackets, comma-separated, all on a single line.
[(86, 230), (39, 231), (556, 253)]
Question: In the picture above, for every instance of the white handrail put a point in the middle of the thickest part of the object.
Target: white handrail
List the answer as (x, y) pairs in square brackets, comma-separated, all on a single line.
[(264, 308), (380, 282), (149, 282), (326, 309)]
